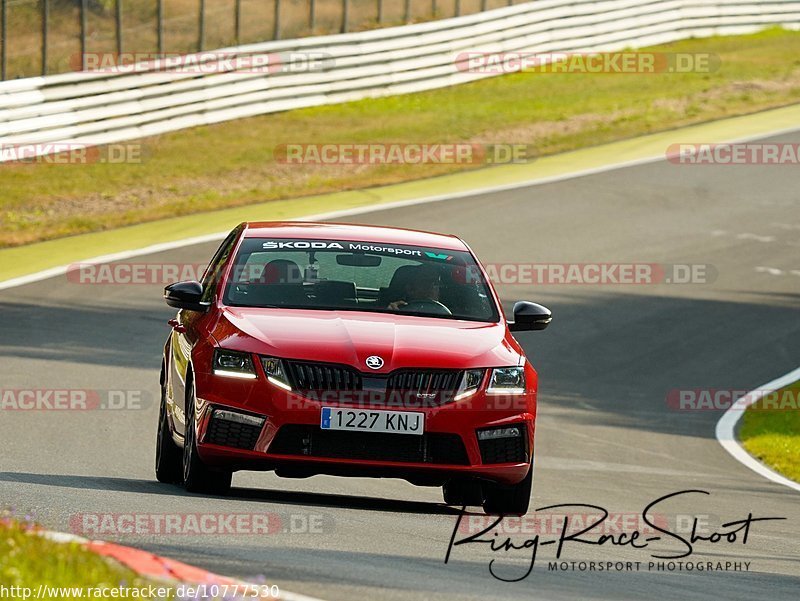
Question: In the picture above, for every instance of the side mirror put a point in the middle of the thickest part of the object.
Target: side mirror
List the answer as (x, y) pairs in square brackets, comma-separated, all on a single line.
[(529, 316), (186, 295)]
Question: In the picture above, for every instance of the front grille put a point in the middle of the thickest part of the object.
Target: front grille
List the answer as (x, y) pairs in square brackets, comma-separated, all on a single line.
[(403, 387), (232, 434), (312, 441), (424, 381), (305, 377), (504, 450)]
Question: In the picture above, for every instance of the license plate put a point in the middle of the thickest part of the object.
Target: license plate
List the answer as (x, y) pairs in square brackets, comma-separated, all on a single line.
[(392, 422)]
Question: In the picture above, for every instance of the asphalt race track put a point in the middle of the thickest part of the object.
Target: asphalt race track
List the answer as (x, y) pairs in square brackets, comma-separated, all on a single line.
[(606, 435)]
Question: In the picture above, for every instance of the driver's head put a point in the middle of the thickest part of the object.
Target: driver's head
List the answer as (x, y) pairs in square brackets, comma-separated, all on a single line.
[(424, 284), (281, 271)]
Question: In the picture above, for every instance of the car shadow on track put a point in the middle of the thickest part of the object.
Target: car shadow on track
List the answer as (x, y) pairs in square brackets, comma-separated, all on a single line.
[(279, 497), (131, 485), (287, 497)]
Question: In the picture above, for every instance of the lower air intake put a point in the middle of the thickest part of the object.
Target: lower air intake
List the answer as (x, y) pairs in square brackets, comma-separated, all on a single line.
[(232, 434), (312, 441)]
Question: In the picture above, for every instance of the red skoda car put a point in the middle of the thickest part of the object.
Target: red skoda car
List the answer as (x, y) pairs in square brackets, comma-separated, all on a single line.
[(312, 348)]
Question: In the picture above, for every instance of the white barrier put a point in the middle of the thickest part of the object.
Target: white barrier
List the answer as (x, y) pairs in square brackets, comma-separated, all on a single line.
[(97, 107)]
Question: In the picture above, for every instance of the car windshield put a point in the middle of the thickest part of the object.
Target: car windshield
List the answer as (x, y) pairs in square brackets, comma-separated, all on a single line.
[(359, 276)]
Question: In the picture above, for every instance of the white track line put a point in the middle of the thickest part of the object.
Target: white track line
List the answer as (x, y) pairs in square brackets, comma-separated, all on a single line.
[(155, 248), (127, 254), (726, 427)]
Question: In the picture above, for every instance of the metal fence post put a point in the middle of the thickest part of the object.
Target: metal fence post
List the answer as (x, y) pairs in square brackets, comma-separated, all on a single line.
[(312, 16), (238, 21), (201, 27), (45, 33), (380, 11), (276, 33), (119, 28), (84, 28), (434, 8), (160, 27), (407, 12), (484, 5), (345, 14), (458, 8)]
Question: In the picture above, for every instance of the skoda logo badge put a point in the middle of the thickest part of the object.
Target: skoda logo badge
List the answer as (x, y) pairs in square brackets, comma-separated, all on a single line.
[(374, 362)]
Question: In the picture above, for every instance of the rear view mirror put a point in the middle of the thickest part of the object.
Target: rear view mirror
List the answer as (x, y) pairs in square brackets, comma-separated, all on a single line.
[(530, 316), (358, 260), (186, 295)]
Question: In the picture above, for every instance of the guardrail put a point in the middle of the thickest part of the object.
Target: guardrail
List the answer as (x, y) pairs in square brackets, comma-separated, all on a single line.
[(101, 107)]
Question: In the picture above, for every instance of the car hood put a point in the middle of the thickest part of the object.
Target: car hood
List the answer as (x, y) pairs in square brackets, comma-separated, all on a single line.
[(350, 337)]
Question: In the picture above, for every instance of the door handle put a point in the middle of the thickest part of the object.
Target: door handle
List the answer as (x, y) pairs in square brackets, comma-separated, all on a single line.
[(177, 326)]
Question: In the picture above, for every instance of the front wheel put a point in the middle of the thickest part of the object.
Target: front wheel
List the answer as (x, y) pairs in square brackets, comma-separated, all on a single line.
[(169, 463), (499, 499), (197, 476)]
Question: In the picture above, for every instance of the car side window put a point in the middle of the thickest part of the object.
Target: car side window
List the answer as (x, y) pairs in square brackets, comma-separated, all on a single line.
[(214, 271)]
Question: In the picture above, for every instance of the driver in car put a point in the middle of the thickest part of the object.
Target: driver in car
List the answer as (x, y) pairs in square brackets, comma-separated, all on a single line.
[(423, 287)]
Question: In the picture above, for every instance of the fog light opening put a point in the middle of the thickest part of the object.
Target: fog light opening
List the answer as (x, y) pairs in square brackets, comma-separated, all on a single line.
[(495, 433), (239, 418)]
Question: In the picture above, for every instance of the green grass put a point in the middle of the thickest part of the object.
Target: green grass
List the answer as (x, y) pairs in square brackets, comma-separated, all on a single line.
[(232, 164), (29, 560), (772, 434), (30, 258)]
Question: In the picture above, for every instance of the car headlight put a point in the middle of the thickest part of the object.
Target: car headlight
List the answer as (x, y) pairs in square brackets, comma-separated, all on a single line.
[(507, 380), (233, 364), (470, 382), (276, 374)]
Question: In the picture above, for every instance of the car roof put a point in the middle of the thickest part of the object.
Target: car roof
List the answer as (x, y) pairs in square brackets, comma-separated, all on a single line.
[(306, 230)]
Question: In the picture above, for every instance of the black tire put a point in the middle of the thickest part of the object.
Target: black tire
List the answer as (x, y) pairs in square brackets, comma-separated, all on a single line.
[(459, 492), (197, 476), (508, 500), (169, 459)]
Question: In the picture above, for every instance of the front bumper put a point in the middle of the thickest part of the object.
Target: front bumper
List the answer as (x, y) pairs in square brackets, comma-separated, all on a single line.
[(292, 443)]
